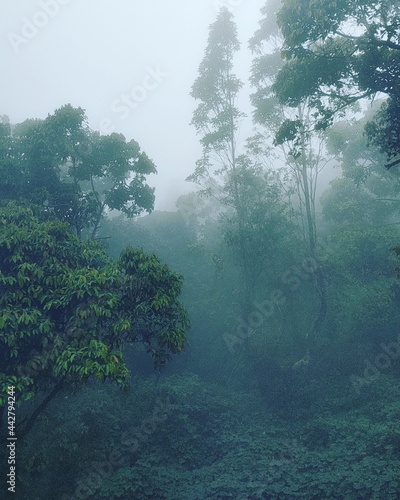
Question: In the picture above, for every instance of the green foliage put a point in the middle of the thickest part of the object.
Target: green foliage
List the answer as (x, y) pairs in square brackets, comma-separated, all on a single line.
[(383, 132), (213, 442), (66, 309), (347, 204), (154, 289), (363, 164), (62, 166), (190, 242), (362, 281), (217, 117), (339, 52)]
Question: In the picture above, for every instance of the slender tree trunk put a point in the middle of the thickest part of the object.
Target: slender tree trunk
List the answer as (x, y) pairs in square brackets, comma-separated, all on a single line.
[(312, 240), (29, 422), (307, 191), (100, 210), (246, 306)]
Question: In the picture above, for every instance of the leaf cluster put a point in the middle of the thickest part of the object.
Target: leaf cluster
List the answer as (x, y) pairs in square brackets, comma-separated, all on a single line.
[(66, 309)]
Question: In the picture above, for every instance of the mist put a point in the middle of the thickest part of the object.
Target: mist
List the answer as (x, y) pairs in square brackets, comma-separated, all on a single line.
[(199, 250)]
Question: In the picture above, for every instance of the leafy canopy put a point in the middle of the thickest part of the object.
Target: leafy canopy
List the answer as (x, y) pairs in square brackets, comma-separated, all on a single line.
[(66, 308), (216, 88), (60, 164), (338, 52)]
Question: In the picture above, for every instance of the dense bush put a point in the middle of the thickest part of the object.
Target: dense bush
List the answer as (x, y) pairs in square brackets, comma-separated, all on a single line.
[(181, 438)]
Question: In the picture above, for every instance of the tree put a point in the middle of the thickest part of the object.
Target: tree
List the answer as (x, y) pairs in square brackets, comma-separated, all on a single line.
[(115, 171), (302, 149), (217, 118), (338, 53), (361, 272), (364, 166), (66, 309), (62, 166), (361, 209)]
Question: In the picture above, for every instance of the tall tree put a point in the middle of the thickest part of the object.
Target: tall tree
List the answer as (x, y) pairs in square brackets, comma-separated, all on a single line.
[(217, 119), (303, 151)]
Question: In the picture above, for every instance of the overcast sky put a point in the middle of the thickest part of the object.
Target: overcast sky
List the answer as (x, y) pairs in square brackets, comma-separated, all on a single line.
[(130, 64)]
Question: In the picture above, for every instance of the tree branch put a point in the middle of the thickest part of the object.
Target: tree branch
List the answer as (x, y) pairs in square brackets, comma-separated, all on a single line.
[(32, 419), (393, 164), (387, 43)]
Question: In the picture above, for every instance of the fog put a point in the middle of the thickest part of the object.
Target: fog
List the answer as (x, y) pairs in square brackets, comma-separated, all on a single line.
[(231, 338), (93, 53)]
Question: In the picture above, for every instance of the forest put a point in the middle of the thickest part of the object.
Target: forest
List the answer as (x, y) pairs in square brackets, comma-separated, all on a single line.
[(245, 345)]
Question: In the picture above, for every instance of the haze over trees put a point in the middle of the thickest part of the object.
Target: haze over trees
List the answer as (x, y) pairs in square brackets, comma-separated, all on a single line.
[(343, 53), (67, 309), (288, 384), (77, 173)]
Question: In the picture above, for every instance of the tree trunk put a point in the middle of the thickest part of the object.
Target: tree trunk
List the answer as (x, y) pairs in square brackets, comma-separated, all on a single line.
[(43, 405), (312, 240)]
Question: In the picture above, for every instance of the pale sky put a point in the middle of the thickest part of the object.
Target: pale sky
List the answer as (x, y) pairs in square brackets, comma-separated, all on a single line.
[(130, 64)]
